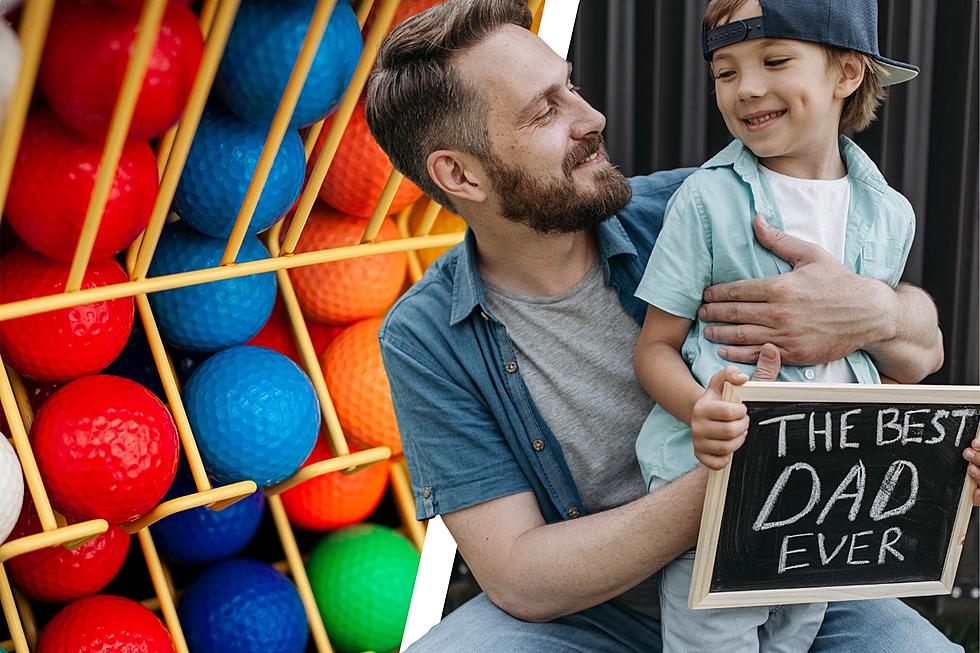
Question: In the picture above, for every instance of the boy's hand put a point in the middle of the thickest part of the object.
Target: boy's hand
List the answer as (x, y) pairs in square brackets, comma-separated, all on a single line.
[(973, 469), (719, 427)]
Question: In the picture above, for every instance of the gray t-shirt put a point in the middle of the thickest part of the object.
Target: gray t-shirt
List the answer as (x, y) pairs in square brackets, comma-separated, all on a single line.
[(575, 353)]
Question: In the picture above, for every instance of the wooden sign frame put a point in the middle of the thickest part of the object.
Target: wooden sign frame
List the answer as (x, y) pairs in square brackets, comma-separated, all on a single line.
[(701, 595)]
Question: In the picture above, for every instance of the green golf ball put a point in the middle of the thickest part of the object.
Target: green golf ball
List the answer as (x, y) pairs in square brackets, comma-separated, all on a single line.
[(362, 578)]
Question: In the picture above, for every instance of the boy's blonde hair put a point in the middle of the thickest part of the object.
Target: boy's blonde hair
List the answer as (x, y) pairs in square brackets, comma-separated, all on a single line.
[(860, 107)]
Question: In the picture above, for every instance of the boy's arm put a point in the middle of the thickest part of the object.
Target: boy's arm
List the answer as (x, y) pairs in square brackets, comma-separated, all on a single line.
[(659, 367)]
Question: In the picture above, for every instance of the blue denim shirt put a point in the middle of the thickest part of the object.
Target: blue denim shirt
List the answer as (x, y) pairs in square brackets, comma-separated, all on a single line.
[(466, 418)]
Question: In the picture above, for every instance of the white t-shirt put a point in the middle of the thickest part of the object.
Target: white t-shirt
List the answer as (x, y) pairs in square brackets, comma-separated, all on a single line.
[(815, 210)]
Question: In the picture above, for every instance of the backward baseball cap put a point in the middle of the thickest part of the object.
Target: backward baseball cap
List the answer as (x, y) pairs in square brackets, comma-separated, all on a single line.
[(846, 24)]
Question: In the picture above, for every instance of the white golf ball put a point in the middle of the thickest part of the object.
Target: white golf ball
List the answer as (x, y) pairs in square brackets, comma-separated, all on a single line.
[(11, 487), (9, 66)]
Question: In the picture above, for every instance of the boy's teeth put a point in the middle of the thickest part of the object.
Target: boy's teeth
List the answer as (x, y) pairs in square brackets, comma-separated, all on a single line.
[(761, 119)]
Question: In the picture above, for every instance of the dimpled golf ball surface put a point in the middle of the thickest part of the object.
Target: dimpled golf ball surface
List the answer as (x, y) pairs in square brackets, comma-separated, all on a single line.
[(60, 345), (255, 415), (336, 499), (215, 315), (105, 624), (219, 168), (85, 57), (243, 606), (11, 487), (106, 447), (262, 49), (56, 574), (359, 171), (359, 387), (52, 184), (341, 292), (362, 577), (202, 535)]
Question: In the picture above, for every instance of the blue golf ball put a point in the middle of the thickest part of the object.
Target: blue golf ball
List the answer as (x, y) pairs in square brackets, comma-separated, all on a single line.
[(243, 606), (215, 315), (255, 415), (262, 49), (201, 535), (219, 168)]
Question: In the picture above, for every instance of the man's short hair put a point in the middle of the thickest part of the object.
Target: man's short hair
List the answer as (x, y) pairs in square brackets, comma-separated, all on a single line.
[(860, 106), (417, 102)]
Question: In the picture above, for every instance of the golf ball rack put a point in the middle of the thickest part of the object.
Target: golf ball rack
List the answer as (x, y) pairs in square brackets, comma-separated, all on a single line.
[(216, 18)]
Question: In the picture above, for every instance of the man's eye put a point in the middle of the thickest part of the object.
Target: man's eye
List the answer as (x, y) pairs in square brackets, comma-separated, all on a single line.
[(547, 113), (776, 62)]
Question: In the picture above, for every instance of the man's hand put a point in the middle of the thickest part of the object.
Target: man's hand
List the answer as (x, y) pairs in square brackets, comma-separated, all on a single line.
[(819, 312), (972, 454), (719, 427)]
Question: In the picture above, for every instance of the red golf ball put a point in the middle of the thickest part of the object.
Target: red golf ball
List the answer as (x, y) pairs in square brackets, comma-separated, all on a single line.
[(85, 57), (52, 183), (278, 335), (63, 344), (105, 624), (106, 447), (57, 574)]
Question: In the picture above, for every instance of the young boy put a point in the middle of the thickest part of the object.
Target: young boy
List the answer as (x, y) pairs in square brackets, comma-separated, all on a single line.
[(790, 77)]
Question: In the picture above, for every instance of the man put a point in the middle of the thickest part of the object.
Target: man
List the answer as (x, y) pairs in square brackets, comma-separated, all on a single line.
[(510, 361)]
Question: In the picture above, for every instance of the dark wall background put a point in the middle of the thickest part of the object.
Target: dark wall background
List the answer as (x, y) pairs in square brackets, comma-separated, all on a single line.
[(639, 61)]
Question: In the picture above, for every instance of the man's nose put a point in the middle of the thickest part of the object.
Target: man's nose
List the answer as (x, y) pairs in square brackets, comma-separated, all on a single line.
[(588, 120)]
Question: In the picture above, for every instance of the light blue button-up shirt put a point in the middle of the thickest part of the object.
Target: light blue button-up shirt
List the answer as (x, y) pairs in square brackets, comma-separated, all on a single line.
[(708, 238), (467, 421)]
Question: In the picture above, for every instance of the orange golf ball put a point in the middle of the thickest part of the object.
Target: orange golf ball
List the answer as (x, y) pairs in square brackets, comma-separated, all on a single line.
[(446, 222), (345, 291), (336, 499), (359, 171), (359, 387)]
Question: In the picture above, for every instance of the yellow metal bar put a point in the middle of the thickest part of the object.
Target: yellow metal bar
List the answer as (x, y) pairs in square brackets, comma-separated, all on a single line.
[(172, 391), (304, 345), (10, 612), (402, 489), (146, 36), (280, 123), (381, 210), (309, 141), (64, 536), (206, 20), (428, 218), (22, 398), (26, 617), (33, 30), (351, 462), (341, 117), (414, 266), (37, 305), (298, 571), (162, 589), (28, 464), (213, 49), (363, 9), (233, 492), (536, 7)]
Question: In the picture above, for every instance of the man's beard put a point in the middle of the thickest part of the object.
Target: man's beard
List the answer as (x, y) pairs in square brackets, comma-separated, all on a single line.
[(559, 205)]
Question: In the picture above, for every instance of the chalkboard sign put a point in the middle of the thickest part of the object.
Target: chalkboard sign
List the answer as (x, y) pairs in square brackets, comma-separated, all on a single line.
[(839, 492)]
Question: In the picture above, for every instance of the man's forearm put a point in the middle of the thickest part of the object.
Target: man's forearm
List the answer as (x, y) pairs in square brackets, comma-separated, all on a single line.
[(911, 346), (561, 568)]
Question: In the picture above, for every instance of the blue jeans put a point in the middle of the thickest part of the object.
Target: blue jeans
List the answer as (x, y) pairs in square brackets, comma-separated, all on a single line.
[(885, 625)]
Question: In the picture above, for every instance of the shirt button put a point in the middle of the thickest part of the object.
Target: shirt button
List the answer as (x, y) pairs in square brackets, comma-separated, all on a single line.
[(426, 492), (484, 316), (809, 374), (573, 512), (511, 367), (538, 445)]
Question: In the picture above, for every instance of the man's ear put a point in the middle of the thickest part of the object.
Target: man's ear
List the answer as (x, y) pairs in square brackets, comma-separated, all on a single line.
[(851, 73), (459, 176)]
